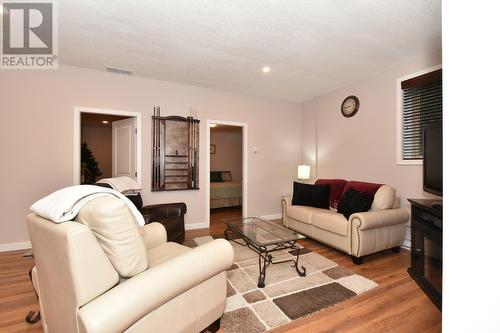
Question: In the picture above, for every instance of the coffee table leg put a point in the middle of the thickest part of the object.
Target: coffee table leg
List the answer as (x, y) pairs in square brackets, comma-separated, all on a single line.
[(302, 270), (264, 258)]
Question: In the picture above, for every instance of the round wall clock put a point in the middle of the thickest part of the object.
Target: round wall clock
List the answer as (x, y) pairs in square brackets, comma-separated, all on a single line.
[(350, 106)]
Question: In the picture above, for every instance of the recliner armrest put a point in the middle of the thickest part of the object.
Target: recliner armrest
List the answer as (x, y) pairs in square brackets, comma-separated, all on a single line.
[(154, 235), (378, 219), (125, 304)]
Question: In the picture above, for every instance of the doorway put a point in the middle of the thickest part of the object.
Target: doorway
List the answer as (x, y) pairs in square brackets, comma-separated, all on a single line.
[(107, 144), (227, 158)]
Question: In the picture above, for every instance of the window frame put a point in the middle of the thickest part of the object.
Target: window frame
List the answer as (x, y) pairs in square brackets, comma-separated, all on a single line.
[(399, 115)]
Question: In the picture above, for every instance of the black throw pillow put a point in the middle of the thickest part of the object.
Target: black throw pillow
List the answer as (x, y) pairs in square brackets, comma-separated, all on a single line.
[(216, 177), (354, 202), (311, 195)]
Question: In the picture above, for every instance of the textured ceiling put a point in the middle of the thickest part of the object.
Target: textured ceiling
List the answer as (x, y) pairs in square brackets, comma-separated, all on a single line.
[(312, 46)]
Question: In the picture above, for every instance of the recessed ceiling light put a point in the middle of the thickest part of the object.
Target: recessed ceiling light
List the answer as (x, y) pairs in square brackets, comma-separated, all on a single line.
[(266, 69), (105, 122), (213, 125)]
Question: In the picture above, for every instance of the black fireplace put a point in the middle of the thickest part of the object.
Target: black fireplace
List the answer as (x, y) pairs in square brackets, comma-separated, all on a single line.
[(427, 248)]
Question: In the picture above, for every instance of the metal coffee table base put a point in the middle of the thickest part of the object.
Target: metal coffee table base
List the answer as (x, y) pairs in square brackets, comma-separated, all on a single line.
[(265, 257)]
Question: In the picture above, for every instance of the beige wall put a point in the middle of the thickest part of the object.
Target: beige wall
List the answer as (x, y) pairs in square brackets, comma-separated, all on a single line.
[(228, 151), (362, 147), (36, 137), (99, 141)]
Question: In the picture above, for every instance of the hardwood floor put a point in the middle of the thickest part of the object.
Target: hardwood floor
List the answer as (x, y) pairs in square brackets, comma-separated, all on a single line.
[(17, 297), (397, 305), (219, 214)]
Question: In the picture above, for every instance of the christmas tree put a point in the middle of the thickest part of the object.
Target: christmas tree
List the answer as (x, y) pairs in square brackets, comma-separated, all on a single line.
[(90, 167)]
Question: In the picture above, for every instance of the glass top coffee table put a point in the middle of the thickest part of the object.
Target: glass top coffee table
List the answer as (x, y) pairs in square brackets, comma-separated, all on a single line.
[(264, 237)]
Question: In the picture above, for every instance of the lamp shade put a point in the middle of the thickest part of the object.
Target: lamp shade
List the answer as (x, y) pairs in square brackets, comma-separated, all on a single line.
[(303, 171)]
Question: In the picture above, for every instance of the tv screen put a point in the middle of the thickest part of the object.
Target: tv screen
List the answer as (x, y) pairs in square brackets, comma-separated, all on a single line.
[(433, 159)]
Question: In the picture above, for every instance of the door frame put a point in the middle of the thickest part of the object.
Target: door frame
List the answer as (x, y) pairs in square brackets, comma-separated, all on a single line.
[(244, 162), (78, 110)]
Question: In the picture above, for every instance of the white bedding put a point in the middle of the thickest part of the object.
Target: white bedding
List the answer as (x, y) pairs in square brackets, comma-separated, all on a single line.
[(64, 204)]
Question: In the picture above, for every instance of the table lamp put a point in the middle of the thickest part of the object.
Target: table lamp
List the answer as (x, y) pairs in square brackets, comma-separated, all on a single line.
[(304, 172)]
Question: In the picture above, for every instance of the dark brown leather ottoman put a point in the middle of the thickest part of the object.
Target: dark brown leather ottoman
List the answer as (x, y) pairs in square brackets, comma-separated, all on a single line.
[(171, 216)]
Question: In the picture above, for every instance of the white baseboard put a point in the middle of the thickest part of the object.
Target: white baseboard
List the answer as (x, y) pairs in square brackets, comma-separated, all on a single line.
[(194, 226), (271, 216), (406, 244), (15, 246)]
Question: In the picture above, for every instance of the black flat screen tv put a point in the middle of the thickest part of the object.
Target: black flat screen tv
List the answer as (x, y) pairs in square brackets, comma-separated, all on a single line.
[(433, 159)]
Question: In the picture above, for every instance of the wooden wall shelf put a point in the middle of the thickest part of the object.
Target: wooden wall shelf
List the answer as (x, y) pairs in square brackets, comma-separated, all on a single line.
[(175, 151)]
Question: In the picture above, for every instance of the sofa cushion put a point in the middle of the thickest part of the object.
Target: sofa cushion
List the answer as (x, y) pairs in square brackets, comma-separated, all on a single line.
[(368, 188), (115, 228), (311, 195), (354, 202), (336, 189), (332, 222), (303, 213), (384, 198)]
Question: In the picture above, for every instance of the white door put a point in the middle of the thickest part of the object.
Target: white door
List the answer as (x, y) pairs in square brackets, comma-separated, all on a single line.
[(124, 148)]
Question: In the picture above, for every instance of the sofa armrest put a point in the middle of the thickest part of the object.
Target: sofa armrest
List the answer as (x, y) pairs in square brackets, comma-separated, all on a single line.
[(125, 304), (154, 235), (378, 219), (286, 201)]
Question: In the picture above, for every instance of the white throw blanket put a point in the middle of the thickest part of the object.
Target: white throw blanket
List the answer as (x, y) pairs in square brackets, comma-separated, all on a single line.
[(65, 204), (122, 184)]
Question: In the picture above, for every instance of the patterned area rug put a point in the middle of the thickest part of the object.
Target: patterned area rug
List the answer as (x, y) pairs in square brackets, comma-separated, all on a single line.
[(286, 296)]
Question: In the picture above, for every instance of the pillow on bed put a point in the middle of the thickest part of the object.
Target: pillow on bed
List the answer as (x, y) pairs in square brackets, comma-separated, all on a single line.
[(215, 177), (226, 176)]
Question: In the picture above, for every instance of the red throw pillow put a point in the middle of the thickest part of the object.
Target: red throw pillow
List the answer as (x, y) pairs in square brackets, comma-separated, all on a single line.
[(336, 189), (368, 188)]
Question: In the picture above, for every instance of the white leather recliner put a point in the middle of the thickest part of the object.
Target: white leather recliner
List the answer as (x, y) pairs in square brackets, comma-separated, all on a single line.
[(102, 273)]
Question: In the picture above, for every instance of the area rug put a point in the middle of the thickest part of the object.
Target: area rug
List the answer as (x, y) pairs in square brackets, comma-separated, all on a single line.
[(286, 296)]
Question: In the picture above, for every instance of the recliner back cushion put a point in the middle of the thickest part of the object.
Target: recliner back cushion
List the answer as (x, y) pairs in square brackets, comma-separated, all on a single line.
[(117, 233), (384, 198)]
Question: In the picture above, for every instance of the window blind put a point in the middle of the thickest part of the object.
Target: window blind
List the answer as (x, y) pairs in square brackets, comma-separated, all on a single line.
[(422, 99)]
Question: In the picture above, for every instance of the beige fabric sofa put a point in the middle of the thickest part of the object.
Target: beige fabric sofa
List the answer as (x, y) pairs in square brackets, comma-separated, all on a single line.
[(80, 268), (381, 228)]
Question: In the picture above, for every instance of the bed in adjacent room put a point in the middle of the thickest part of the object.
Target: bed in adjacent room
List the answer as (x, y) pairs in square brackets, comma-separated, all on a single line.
[(224, 191)]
